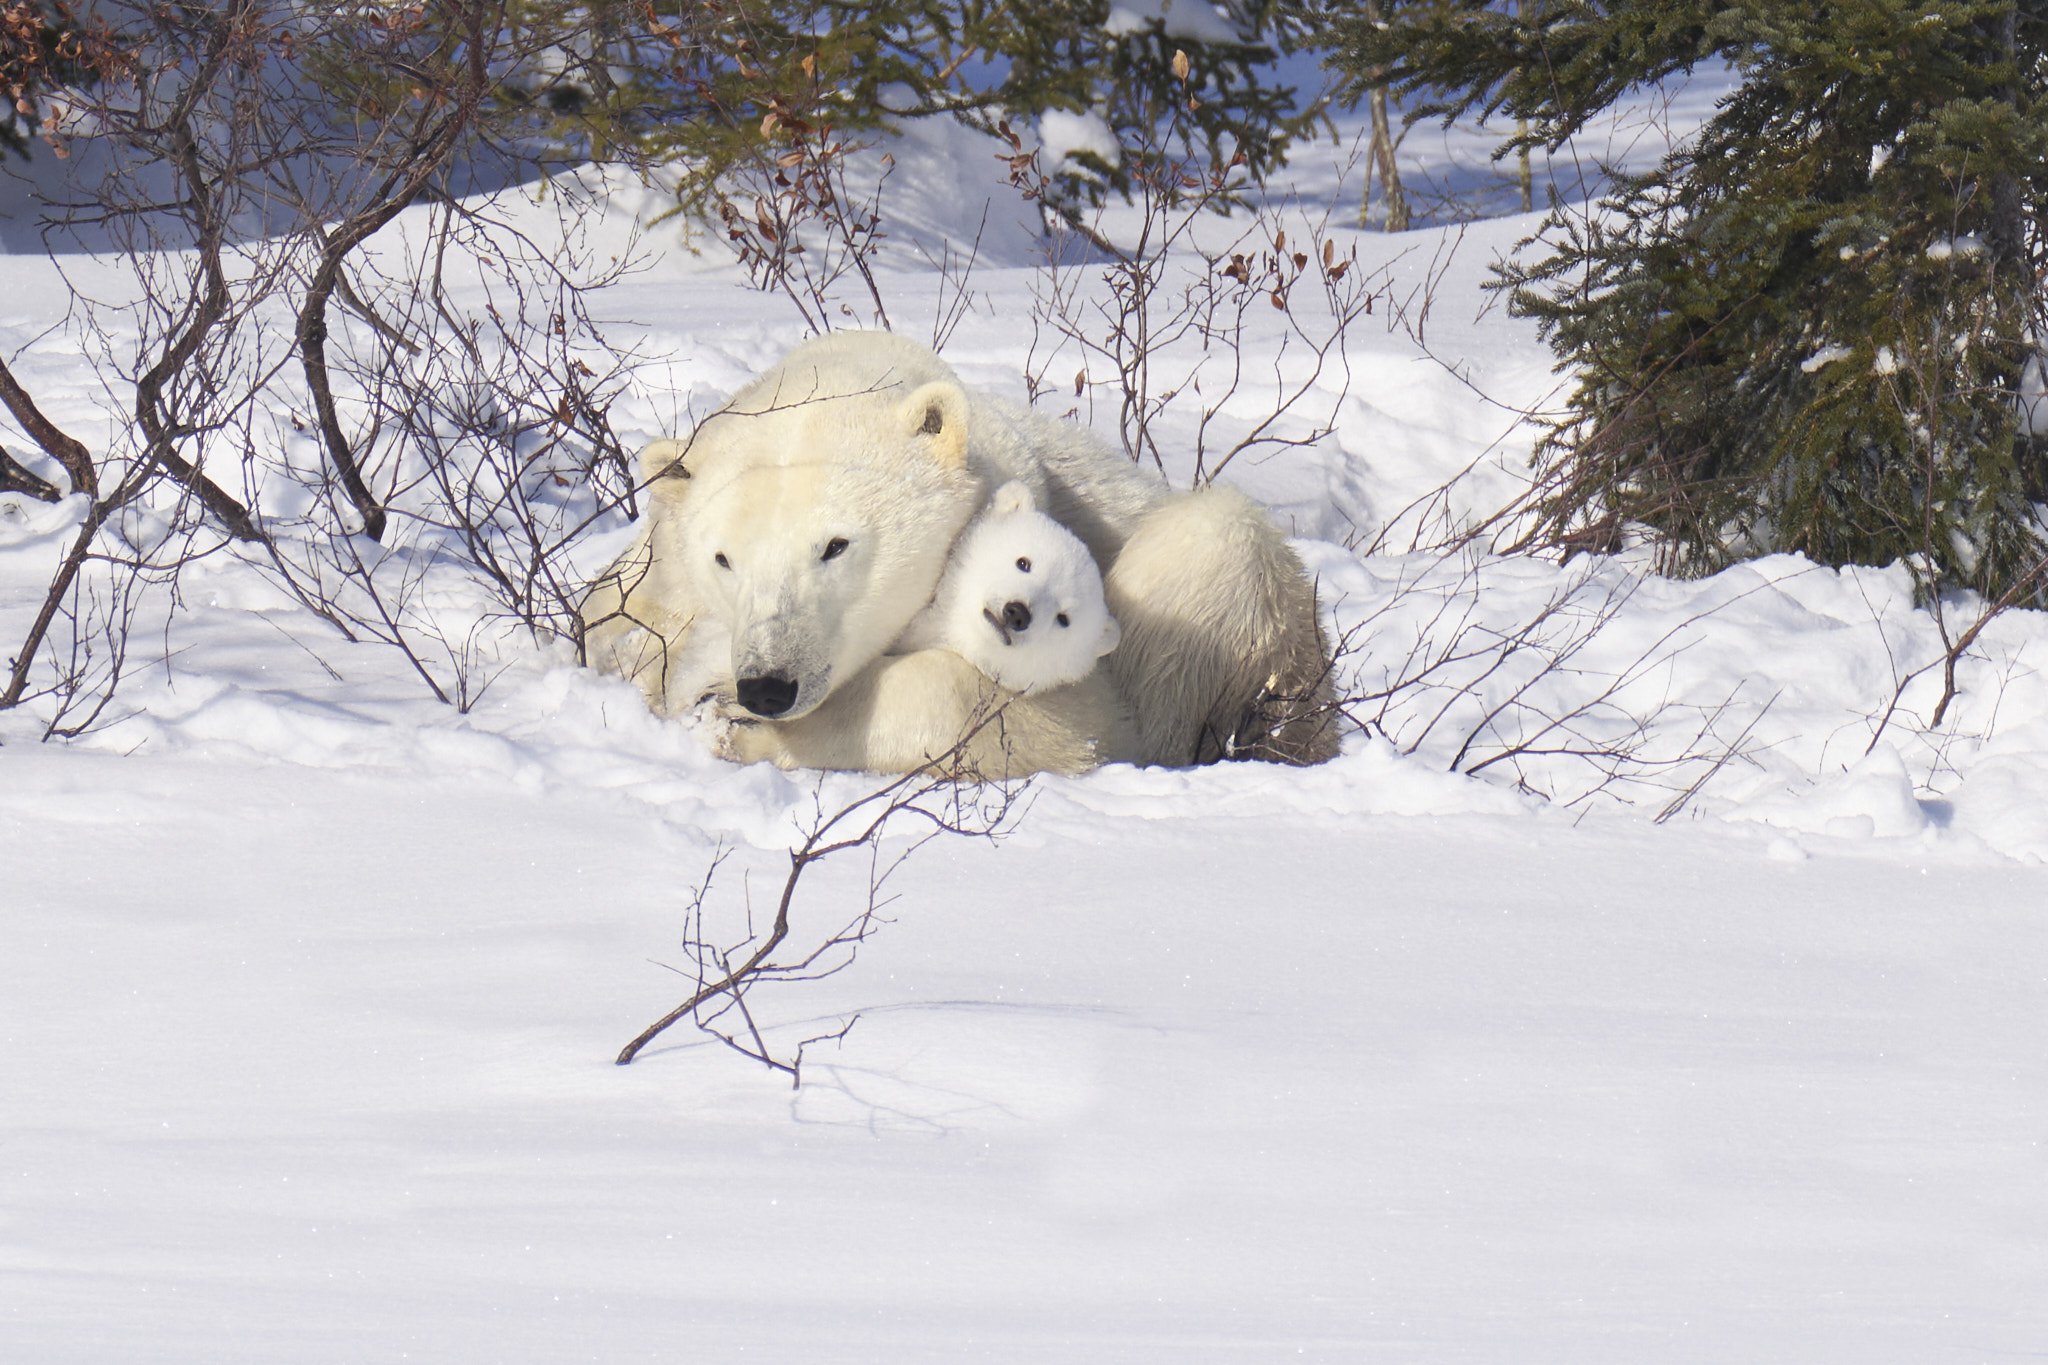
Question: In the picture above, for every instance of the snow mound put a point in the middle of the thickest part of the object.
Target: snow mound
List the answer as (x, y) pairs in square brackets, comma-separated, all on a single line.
[(1873, 799)]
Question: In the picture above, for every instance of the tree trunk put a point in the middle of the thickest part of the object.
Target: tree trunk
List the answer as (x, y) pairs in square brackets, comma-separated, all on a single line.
[(1383, 158), (1525, 178), (1380, 155)]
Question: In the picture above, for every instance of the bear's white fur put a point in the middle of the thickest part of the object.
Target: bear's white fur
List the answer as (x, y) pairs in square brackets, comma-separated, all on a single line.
[(1021, 600), (811, 519)]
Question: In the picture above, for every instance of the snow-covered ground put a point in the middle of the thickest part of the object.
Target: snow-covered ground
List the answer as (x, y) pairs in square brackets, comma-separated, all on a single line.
[(310, 987)]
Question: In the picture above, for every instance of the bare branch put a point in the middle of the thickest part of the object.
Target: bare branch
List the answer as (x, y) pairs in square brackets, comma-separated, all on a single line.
[(945, 796), (59, 446)]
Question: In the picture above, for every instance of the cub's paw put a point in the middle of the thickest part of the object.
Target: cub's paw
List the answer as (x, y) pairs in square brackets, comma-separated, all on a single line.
[(745, 741), (712, 714), (718, 697), (751, 740), (735, 733)]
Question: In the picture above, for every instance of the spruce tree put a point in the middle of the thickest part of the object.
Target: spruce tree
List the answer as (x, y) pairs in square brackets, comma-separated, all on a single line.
[(43, 44), (1230, 106), (1810, 327), (696, 84)]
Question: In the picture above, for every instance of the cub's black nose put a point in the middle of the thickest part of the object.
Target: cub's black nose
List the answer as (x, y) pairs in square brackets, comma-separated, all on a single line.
[(769, 696), (1016, 616)]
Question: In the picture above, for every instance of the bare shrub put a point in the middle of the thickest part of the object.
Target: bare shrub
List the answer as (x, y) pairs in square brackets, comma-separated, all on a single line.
[(797, 227), (1544, 695), (727, 963), (344, 399), (481, 407), (1174, 315)]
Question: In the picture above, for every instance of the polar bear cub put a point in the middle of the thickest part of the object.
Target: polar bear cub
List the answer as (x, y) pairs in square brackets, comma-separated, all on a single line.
[(1021, 599)]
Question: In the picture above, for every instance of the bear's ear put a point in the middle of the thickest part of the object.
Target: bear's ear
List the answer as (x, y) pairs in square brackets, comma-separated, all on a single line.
[(935, 416), (663, 459), (1112, 636), (1012, 498)]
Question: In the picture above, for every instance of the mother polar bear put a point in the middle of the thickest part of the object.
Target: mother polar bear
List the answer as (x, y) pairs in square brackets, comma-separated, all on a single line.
[(792, 537)]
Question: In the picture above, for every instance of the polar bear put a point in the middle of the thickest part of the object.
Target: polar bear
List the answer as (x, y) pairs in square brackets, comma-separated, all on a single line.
[(1021, 600), (811, 520)]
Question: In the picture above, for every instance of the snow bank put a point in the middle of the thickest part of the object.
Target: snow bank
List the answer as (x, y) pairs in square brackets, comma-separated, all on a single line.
[(309, 986)]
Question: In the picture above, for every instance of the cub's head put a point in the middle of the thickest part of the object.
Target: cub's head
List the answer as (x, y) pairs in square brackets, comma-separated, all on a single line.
[(818, 561), (1022, 598)]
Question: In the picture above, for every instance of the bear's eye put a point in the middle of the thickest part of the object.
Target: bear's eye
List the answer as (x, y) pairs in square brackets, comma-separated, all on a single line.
[(721, 561), (1023, 565), (834, 548), (1062, 619)]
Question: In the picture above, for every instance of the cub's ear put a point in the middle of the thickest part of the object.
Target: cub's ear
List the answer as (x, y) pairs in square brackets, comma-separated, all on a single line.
[(935, 418), (1112, 636), (663, 459), (1011, 498)]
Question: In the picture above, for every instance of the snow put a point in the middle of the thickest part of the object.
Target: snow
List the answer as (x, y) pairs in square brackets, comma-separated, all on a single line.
[(1062, 134), (1439, 1084), (1824, 357), (1946, 248), (310, 986), (1192, 19)]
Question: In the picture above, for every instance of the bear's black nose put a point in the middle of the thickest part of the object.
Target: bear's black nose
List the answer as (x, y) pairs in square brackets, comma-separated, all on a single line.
[(1016, 616), (769, 696)]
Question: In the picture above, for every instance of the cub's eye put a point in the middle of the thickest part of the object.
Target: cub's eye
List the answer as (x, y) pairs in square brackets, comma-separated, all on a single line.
[(1062, 619), (1023, 565), (721, 561), (834, 548)]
